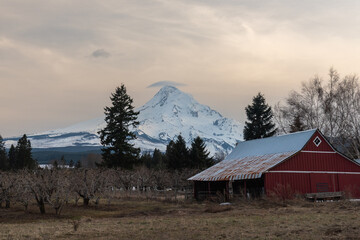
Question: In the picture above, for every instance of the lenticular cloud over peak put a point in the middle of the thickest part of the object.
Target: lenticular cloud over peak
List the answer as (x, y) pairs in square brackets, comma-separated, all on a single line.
[(166, 83)]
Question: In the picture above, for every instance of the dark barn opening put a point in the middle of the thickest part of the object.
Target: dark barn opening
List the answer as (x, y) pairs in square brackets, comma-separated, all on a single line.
[(207, 189), (250, 188)]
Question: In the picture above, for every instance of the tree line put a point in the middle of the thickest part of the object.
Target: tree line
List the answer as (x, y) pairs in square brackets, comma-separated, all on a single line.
[(57, 187), (178, 156)]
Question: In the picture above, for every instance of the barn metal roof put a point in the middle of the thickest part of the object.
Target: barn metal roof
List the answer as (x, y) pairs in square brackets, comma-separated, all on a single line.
[(242, 168), (279, 144), (251, 158)]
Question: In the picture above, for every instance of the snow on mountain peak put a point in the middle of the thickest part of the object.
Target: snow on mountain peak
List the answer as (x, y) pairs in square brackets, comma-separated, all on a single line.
[(172, 112), (167, 90), (168, 94)]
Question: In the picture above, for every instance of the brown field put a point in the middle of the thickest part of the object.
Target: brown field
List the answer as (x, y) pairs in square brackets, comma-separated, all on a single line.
[(150, 220)]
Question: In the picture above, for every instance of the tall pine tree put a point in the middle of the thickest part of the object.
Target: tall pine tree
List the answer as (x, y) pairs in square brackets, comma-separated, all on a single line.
[(12, 157), (199, 156), (177, 154), (4, 161), (158, 159), (116, 136), (259, 115), (146, 159), (23, 154)]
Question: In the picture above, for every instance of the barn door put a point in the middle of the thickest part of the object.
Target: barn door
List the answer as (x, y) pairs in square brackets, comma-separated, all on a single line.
[(323, 182)]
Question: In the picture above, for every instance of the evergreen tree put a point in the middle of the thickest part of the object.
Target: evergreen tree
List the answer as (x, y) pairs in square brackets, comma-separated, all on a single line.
[(55, 164), (177, 154), (146, 159), (260, 116), (71, 163), (23, 154), (115, 137), (62, 161), (12, 157), (154, 161), (78, 164), (199, 155), (169, 152), (4, 161), (158, 159)]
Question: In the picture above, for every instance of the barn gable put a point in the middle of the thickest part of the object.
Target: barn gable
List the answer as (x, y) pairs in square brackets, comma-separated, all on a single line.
[(317, 155), (318, 143)]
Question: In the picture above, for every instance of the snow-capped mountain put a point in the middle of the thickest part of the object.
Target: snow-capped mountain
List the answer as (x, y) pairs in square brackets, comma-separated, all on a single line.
[(172, 112), (169, 113)]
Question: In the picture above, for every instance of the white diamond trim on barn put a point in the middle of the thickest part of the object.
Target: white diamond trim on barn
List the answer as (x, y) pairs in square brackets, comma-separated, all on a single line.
[(317, 141)]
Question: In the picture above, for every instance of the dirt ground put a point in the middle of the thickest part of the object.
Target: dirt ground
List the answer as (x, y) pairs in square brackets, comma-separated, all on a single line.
[(141, 219)]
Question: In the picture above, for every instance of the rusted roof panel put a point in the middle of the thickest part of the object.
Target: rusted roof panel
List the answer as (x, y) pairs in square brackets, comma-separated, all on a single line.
[(249, 167)]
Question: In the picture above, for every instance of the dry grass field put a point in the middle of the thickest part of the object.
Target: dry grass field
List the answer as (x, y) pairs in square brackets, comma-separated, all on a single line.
[(150, 220)]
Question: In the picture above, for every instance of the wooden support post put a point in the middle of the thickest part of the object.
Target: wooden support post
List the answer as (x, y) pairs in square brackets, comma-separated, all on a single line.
[(209, 190), (194, 189), (245, 188), (227, 191), (231, 190)]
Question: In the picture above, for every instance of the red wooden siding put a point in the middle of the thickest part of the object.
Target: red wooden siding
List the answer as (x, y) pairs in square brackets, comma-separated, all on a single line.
[(307, 161), (323, 182), (324, 146), (275, 183), (312, 172), (288, 184), (350, 184)]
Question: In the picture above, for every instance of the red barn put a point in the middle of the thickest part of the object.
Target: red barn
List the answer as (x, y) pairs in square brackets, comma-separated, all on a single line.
[(297, 163)]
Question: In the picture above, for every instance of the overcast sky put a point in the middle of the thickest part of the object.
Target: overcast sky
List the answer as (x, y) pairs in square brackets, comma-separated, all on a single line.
[(60, 60)]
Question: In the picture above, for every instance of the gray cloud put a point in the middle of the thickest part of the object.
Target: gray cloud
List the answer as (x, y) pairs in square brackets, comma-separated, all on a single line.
[(100, 53), (231, 49), (165, 83)]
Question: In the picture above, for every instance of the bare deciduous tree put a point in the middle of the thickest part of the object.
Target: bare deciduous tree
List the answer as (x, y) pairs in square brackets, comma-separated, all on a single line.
[(144, 178), (333, 107), (49, 186), (7, 184), (22, 191), (89, 183), (126, 179)]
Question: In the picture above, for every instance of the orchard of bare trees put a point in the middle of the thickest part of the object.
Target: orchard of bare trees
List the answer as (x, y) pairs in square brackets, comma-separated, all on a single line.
[(54, 188), (333, 106)]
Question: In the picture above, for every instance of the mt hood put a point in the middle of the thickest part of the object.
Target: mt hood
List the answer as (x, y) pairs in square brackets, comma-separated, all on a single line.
[(169, 113)]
